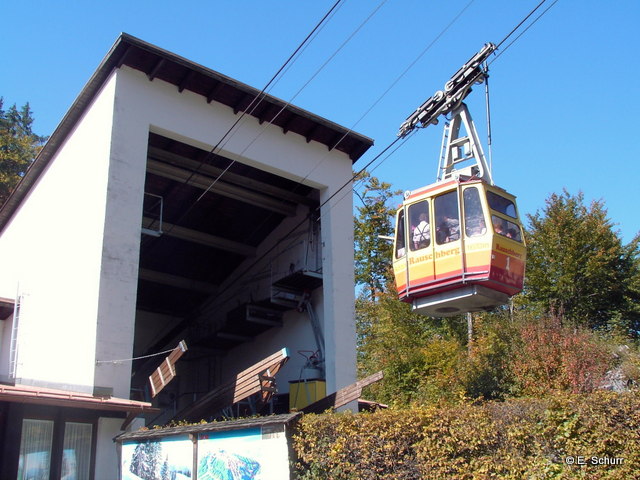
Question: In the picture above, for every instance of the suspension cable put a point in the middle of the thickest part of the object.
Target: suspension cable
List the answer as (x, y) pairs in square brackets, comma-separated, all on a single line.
[(257, 99), (379, 99), (316, 73), (270, 122), (317, 209), (520, 24), (388, 147), (123, 360), (523, 32), (404, 72)]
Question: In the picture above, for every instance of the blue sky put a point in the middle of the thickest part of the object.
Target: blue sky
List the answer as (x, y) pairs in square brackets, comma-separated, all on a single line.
[(564, 96)]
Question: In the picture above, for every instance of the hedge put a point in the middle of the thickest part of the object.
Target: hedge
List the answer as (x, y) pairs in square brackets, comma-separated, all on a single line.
[(515, 439)]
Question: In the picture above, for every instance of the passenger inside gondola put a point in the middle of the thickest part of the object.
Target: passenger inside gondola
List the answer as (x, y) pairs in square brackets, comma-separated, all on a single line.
[(422, 232), (447, 221), (506, 228)]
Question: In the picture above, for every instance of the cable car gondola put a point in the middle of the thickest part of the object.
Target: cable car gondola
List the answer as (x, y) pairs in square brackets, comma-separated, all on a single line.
[(459, 245)]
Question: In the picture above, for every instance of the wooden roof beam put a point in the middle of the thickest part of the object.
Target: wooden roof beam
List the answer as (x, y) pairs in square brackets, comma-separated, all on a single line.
[(221, 188), (230, 177), (244, 103), (185, 80), (213, 93), (154, 71), (311, 134), (177, 281)]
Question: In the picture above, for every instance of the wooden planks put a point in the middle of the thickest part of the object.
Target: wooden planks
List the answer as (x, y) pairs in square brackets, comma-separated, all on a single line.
[(343, 396), (167, 369), (257, 378)]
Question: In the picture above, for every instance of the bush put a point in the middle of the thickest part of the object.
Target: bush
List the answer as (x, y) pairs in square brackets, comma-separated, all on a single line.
[(358, 446), (515, 439), (554, 357)]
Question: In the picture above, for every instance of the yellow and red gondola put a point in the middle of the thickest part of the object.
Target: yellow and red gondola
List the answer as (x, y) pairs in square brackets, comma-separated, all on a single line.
[(459, 244), (471, 254)]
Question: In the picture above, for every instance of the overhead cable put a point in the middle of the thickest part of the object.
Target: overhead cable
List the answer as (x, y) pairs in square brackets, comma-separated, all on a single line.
[(394, 83), (384, 93), (288, 103), (315, 74), (523, 32), (392, 144), (380, 155), (317, 209), (255, 102), (124, 360)]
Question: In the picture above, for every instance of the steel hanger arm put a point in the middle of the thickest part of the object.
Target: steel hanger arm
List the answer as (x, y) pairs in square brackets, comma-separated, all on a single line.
[(455, 90)]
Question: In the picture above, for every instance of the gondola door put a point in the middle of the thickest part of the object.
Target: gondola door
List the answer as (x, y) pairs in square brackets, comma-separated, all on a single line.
[(400, 271), (477, 235), (420, 243), (448, 261)]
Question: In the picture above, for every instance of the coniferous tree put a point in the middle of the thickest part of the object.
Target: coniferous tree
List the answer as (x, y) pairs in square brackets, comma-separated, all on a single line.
[(165, 474), (18, 146), (578, 267)]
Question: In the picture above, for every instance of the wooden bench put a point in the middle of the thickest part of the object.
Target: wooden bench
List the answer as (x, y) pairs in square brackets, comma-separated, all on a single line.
[(343, 396), (259, 378)]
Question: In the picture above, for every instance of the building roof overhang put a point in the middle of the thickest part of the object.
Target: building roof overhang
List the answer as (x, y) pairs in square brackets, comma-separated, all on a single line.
[(62, 398), (186, 75)]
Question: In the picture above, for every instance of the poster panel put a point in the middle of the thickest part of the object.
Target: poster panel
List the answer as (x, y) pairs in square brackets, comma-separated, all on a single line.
[(242, 455), (166, 459)]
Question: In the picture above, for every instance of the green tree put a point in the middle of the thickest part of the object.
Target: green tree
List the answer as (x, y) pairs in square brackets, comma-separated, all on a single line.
[(374, 219), (578, 268), (416, 353), (18, 146)]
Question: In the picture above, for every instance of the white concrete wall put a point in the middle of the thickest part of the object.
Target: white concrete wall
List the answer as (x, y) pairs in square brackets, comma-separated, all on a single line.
[(188, 118), (339, 281), (106, 453), (295, 335), (54, 247), (52, 252), (121, 247)]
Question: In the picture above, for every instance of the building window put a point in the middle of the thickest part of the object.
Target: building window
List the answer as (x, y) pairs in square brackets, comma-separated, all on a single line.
[(76, 453), (44, 456), (35, 449)]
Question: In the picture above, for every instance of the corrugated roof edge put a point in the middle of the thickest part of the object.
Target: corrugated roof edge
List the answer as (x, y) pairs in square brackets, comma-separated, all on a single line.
[(238, 424), (114, 59)]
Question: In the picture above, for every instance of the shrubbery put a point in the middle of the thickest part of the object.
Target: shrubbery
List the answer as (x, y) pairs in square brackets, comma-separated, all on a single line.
[(514, 439), (517, 392), (524, 356)]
